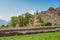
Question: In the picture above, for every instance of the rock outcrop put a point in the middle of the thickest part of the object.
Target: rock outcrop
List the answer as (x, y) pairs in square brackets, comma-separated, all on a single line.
[(51, 15)]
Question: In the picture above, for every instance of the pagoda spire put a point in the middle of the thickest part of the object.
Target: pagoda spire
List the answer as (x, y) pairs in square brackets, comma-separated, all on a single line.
[(17, 25), (36, 19)]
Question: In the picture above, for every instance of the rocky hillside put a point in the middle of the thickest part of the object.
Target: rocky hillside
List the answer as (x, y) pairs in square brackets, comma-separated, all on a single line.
[(51, 15)]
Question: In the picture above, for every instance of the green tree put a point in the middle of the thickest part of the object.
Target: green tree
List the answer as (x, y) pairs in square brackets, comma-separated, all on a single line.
[(30, 18), (13, 21), (22, 20)]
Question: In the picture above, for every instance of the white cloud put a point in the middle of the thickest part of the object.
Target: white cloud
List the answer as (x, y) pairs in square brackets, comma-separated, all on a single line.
[(4, 18), (1, 17), (32, 12)]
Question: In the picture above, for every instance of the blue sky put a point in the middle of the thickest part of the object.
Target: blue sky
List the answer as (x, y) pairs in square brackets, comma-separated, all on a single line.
[(10, 8)]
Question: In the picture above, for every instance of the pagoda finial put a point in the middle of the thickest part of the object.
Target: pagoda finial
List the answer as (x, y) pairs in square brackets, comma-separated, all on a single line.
[(36, 19), (37, 12), (17, 25)]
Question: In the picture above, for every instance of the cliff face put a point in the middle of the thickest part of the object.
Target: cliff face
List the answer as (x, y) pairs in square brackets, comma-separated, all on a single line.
[(51, 15)]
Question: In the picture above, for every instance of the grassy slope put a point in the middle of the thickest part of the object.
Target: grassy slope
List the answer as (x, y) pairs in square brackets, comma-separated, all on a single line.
[(39, 36)]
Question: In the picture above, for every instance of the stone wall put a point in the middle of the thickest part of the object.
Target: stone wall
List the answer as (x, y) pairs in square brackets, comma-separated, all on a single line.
[(27, 30)]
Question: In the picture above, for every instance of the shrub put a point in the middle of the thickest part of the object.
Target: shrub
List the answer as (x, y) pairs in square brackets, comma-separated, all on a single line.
[(2, 26), (42, 24), (7, 26), (48, 24)]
